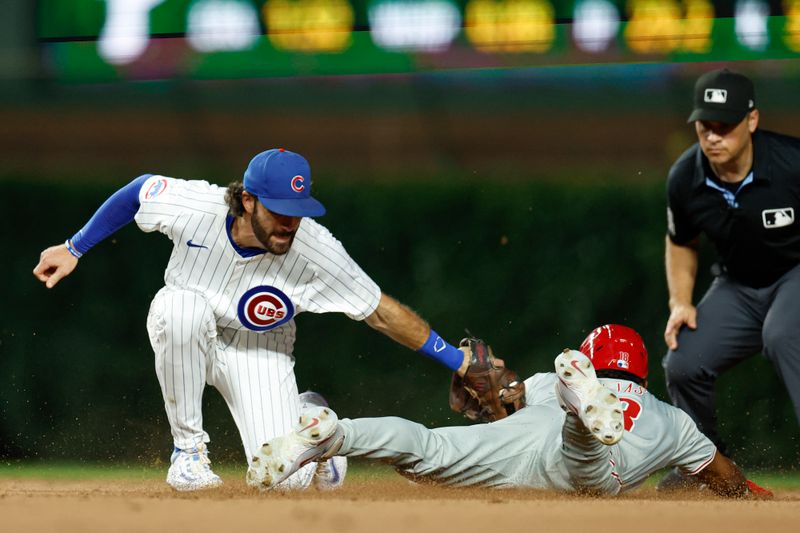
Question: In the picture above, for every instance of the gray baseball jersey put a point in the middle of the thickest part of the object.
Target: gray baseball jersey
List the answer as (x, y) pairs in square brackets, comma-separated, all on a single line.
[(531, 448), (226, 314), (657, 435)]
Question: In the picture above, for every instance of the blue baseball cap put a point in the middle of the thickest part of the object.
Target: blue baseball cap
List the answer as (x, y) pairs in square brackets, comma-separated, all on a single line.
[(282, 182)]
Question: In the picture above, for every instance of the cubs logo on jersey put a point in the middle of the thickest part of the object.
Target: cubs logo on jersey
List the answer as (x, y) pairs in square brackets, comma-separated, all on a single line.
[(156, 187), (264, 307)]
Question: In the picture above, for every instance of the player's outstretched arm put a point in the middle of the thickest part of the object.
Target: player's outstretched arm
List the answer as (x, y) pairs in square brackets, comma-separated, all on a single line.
[(55, 263), (403, 325), (59, 261), (724, 478)]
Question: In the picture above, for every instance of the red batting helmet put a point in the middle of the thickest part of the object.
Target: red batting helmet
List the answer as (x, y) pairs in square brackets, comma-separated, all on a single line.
[(616, 347)]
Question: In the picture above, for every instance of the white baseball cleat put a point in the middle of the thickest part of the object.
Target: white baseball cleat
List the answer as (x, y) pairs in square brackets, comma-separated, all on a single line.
[(191, 470), (310, 398), (330, 474), (316, 437), (579, 392)]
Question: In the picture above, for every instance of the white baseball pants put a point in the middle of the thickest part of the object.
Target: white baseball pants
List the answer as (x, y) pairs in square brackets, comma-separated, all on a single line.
[(256, 380)]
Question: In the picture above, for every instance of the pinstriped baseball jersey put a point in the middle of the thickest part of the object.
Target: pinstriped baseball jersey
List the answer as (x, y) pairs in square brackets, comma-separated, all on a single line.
[(657, 434), (316, 274), (238, 331)]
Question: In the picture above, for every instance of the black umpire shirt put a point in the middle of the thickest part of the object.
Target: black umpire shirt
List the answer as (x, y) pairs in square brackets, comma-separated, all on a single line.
[(753, 224)]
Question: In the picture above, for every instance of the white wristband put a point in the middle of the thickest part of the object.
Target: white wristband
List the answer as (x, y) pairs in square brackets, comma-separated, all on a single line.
[(71, 249)]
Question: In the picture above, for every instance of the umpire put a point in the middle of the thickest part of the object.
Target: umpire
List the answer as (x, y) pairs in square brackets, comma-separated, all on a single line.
[(741, 187)]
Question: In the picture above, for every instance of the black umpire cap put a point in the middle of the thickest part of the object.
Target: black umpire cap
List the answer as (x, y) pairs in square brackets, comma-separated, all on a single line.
[(723, 96)]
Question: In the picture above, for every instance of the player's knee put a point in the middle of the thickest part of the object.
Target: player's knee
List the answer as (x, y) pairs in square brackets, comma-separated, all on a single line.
[(679, 369), (182, 310), (779, 340), (591, 475)]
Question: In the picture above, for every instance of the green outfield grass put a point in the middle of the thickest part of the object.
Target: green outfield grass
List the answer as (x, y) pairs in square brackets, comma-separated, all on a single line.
[(777, 481), (85, 471), (358, 471)]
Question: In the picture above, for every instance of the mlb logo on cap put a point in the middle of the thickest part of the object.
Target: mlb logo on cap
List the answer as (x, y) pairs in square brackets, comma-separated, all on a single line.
[(722, 96), (282, 182), (716, 96)]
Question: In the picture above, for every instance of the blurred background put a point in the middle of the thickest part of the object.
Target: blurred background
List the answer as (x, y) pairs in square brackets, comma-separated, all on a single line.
[(498, 165)]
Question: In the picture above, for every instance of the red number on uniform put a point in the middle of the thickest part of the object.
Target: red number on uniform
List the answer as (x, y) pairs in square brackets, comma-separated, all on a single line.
[(631, 409)]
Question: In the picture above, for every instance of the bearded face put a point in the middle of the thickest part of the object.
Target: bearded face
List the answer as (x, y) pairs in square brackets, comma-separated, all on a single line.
[(275, 232)]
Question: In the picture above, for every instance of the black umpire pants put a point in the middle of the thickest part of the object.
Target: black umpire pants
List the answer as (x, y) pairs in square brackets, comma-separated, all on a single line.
[(735, 322)]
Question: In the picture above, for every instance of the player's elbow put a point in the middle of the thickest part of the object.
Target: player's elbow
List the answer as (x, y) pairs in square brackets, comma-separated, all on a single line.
[(377, 320), (385, 315)]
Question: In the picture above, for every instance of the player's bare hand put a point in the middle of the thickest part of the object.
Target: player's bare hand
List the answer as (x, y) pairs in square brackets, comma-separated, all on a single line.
[(468, 357), (55, 263), (681, 315)]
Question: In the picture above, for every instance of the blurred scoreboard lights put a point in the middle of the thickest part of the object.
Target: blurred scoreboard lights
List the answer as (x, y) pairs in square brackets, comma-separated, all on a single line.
[(414, 25), (120, 31), (308, 25)]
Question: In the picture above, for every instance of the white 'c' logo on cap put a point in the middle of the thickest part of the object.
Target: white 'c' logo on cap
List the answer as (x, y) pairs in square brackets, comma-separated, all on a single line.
[(715, 96), (297, 183)]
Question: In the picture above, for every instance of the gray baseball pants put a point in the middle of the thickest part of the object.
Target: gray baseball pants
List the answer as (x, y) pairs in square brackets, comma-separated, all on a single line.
[(735, 322), (537, 447)]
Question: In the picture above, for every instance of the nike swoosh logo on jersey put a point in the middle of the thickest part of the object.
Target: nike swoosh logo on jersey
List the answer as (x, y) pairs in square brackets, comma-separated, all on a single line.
[(193, 245)]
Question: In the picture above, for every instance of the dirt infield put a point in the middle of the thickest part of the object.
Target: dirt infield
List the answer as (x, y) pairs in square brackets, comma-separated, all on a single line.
[(384, 506)]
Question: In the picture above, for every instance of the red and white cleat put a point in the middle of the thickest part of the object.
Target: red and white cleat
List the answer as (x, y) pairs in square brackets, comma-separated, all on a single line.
[(579, 392), (316, 437)]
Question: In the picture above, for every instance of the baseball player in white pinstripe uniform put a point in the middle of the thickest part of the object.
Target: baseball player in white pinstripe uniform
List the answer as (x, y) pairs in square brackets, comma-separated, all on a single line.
[(545, 445), (246, 260)]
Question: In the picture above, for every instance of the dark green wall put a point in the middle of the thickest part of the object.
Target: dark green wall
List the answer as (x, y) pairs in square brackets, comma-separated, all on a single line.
[(531, 266)]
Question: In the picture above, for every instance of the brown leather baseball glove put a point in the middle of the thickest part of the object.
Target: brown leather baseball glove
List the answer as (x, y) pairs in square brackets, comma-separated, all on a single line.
[(488, 391)]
